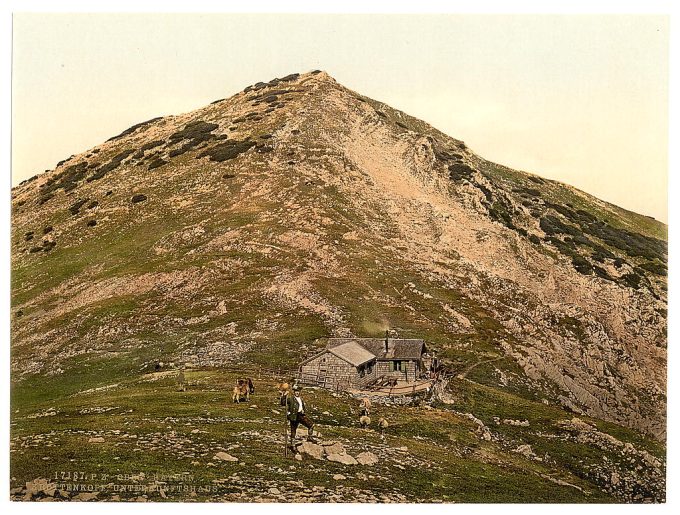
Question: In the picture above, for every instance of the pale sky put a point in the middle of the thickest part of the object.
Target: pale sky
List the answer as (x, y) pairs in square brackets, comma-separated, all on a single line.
[(579, 98)]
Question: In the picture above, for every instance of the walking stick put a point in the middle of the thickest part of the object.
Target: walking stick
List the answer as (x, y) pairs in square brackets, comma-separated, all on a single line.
[(285, 430)]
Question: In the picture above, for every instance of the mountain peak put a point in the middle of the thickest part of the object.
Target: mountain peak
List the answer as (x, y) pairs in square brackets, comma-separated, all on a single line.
[(310, 199), (239, 237), (315, 75)]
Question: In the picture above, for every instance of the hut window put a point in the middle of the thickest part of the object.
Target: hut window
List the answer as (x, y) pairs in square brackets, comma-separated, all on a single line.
[(362, 371), (397, 366)]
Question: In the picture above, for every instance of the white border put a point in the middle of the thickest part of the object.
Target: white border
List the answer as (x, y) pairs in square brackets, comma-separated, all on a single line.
[(348, 6)]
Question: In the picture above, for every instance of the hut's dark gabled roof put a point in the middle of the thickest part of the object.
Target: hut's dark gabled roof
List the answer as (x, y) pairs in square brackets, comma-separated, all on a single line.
[(405, 349), (397, 348)]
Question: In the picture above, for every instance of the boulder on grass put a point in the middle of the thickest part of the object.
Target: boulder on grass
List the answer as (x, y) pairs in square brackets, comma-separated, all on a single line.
[(345, 459), (367, 458), (311, 449), (223, 456)]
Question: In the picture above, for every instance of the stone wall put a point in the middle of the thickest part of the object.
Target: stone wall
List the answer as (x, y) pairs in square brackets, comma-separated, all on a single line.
[(337, 372), (408, 372), (369, 374)]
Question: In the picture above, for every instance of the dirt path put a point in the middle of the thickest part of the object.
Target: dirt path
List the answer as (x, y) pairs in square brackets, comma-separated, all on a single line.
[(464, 374)]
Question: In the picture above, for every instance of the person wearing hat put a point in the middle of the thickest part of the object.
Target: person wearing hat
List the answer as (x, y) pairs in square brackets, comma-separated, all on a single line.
[(296, 415)]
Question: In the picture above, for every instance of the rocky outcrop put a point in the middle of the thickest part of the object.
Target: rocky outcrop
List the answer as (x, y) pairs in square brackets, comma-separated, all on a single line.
[(331, 451), (644, 481)]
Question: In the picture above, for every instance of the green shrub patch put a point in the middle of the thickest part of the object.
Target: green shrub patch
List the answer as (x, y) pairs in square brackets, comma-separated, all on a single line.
[(44, 198), (132, 129), (67, 180), (582, 265), (631, 280), (151, 144), (194, 130), (656, 268), (157, 163), (601, 272), (255, 87), (460, 171), (73, 175), (552, 225), (290, 78), (30, 179), (178, 151), (110, 166), (500, 212), (619, 262), (228, 150), (64, 161), (531, 192), (147, 146), (633, 244), (196, 133), (74, 209)]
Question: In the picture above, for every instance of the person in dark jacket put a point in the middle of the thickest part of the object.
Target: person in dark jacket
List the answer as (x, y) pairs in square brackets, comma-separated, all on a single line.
[(296, 415)]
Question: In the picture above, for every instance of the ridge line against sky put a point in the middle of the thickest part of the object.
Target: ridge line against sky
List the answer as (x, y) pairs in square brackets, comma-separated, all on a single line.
[(580, 99)]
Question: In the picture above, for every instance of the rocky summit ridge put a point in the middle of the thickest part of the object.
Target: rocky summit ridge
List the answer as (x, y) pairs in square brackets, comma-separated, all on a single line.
[(248, 231)]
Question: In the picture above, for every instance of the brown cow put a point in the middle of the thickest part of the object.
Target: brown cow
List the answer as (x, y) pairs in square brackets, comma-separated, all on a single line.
[(242, 390), (284, 390), (365, 406)]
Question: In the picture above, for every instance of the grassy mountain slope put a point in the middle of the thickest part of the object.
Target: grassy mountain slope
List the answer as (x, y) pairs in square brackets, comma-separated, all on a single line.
[(243, 234)]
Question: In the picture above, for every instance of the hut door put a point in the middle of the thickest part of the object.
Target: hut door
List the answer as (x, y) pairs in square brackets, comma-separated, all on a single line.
[(321, 379)]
